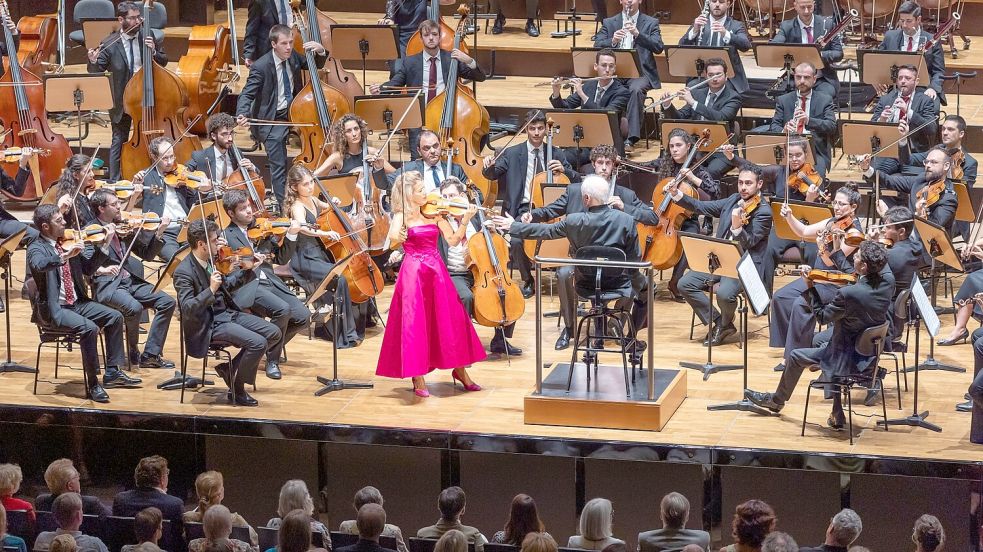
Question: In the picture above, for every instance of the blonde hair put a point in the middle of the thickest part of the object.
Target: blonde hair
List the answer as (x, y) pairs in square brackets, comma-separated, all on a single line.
[(10, 479), (64, 543), (295, 176), (538, 542), (452, 541), (928, 533), (58, 474), (405, 181), (295, 496), (595, 519), (207, 487)]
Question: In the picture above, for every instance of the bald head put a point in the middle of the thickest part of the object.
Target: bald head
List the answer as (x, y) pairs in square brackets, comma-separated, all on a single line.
[(371, 520)]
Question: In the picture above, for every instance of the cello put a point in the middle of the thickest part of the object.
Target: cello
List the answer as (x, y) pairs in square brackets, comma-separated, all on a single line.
[(333, 72), (447, 39), (459, 120), (546, 178), (204, 69), (155, 99), (249, 181), (23, 114), (367, 208), (498, 300)]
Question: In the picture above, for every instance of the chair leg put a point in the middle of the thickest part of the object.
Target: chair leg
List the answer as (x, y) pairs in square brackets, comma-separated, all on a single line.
[(692, 325), (897, 378), (849, 401), (57, 356), (884, 405), (805, 413), (624, 360), (37, 368), (573, 354), (184, 372)]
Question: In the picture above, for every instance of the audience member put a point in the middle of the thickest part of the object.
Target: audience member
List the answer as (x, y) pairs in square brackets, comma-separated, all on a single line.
[(67, 511), (595, 526), (10, 480), (776, 541), (452, 541), (64, 543), (371, 495), (451, 504), (843, 529), (928, 534), (692, 548), (674, 512), (616, 547), (538, 542), (295, 496), (370, 520), (62, 477), (210, 488), (217, 525), (523, 519), (151, 478), (9, 541), (295, 533), (148, 526), (753, 520)]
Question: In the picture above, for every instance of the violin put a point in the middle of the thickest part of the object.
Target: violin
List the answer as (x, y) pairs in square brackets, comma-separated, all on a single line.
[(748, 207), (93, 233), (842, 226), (228, 260), (13, 155), (932, 193), (498, 300), (806, 177), (130, 222), (124, 189), (830, 277), (438, 206), (266, 227), (181, 176)]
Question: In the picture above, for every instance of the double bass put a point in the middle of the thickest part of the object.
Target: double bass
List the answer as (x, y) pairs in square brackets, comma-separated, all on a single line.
[(249, 181), (22, 113), (543, 178), (498, 301), (204, 69), (447, 41), (37, 41), (368, 211), (460, 121)]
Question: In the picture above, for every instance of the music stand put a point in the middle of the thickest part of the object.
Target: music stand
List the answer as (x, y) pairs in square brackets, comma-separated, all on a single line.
[(690, 61), (787, 56), (964, 208), (719, 132), (211, 208), (94, 31), (584, 128), (866, 138), (383, 112), (757, 148), (627, 61), (880, 67), (166, 275), (937, 243), (78, 93), (341, 186), (7, 248), (364, 42), (716, 257), (808, 213)]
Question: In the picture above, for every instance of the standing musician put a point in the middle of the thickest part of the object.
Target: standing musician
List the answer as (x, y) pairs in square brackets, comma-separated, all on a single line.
[(714, 28), (909, 37), (119, 282), (806, 28), (273, 81), (266, 295), (911, 105), (428, 163), (628, 30), (217, 160), (263, 15), (347, 134), (808, 111), (851, 310), (121, 54), (407, 15), (429, 69), (532, 9), (209, 315), (749, 225), (63, 302), (937, 166), (515, 169)]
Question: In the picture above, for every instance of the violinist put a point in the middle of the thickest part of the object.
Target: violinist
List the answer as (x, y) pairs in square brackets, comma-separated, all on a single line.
[(715, 28), (628, 30), (913, 106), (209, 315), (910, 37), (966, 307), (311, 261), (429, 163), (808, 111), (121, 54), (217, 160), (428, 327), (77, 173), (744, 218), (851, 310), (933, 185), (63, 301), (407, 15), (260, 19), (273, 81), (806, 28), (266, 295), (9, 224), (347, 134), (119, 282)]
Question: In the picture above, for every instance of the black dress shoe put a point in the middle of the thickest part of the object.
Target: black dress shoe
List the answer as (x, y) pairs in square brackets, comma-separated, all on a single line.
[(563, 341), (965, 407), (780, 367), (115, 377), (97, 394), (720, 334), (244, 399), (502, 347), (963, 335), (764, 400), (155, 361), (222, 370), (273, 370), (531, 28), (836, 420), (528, 290), (499, 25)]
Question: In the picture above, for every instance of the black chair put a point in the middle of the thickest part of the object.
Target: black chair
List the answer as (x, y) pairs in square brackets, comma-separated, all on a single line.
[(495, 547), (120, 532), (10, 549), (900, 316), (427, 545), (19, 524), (45, 521), (268, 538), (339, 539), (94, 526), (215, 349), (317, 539), (870, 344)]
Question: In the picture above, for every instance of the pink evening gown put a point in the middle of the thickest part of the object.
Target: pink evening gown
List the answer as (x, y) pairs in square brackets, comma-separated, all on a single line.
[(428, 327)]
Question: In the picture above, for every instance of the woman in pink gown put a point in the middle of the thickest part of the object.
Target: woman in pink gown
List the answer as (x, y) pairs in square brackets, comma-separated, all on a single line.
[(428, 327)]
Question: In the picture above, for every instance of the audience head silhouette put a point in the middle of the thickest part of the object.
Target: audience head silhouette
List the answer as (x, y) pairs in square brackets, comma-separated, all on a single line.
[(10, 479), (523, 519), (61, 476), (538, 542), (148, 525), (776, 541), (452, 541), (151, 472), (295, 532), (451, 503), (67, 509), (674, 511), (595, 520), (210, 488), (295, 496), (63, 543), (844, 528), (753, 520), (371, 520), (928, 534)]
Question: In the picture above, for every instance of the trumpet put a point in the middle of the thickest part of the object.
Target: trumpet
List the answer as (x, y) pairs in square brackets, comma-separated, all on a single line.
[(566, 81)]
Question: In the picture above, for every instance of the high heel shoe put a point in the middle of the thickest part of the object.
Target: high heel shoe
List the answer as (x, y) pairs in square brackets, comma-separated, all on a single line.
[(963, 335), (423, 393), (467, 387)]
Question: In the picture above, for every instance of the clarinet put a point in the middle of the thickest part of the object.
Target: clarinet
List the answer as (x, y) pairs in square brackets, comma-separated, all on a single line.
[(706, 15)]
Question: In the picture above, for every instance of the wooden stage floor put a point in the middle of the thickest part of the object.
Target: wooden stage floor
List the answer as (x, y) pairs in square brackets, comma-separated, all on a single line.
[(498, 409)]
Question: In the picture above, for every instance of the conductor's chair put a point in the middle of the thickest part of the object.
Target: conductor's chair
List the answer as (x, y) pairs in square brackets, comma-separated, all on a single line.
[(602, 286), (869, 344)]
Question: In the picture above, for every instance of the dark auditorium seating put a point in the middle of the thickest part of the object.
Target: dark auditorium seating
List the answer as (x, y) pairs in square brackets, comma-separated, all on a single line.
[(19, 525), (494, 547), (427, 545), (193, 530), (119, 532), (267, 538), (339, 539)]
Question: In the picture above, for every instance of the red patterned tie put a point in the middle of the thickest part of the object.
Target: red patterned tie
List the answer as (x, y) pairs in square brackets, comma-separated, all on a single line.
[(432, 84), (910, 44), (66, 279), (903, 112), (809, 34), (802, 106)]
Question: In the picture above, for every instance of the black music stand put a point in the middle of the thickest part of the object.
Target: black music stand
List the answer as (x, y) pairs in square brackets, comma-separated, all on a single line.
[(7, 248), (716, 257), (690, 61), (341, 186), (364, 42), (762, 148), (937, 243), (334, 384), (787, 56), (78, 93), (881, 67), (869, 138), (719, 131), (918, 307), (384, 111)]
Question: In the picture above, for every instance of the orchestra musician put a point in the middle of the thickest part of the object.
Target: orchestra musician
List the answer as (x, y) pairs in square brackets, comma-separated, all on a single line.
[(748, 228), (966, 306), (851, 310), (216, 160), (9, 224), (532, 10), (715, 28), (347, 134), (407, 15), (912, 105), (266, 295), (77, 173), (607, 92), (262, 16), (628, 30), (209, 315), (63, 301), (515, 169), (910, 37), (119, 282), (808, 111), (12, 25), (903, 256), (976, 389), (806, 28), (428, 163), (121, 54), (273, 81)]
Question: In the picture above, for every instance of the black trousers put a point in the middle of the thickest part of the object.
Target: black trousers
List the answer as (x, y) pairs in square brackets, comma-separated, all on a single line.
[(171, 245), (793, 323), (86, 317), (276, 151), (976, 389), (693, 287), (285, 311), (121, 132), (638, 87), (130, 299), (796, 363), (252, 336), (776, 248), (463, 282)]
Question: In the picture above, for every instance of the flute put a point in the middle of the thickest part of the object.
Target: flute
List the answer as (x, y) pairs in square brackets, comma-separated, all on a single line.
[(566, 80)]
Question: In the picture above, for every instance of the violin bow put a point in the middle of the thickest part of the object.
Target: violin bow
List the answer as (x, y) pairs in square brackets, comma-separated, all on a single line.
[(522, 129), (402, 118), (78, 187), (126, 254)]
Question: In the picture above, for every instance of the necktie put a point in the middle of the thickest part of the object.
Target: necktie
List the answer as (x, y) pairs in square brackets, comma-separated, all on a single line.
[(288, 93), (711, 97), (436, 176), (539, 161), (118, 247), (133, 59), (802, 124), (283, 12), (432, 80), (903, 112), (66, 279), (809, 34), (598, 95), (910, 44)]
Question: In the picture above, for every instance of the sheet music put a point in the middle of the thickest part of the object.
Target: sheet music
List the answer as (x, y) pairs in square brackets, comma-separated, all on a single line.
[(754, 288), (931, 318)]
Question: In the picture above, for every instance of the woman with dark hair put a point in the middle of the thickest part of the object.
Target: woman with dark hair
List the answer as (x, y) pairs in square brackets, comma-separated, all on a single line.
[(523, 519), (347, 135), (295, 533), (753, 520)]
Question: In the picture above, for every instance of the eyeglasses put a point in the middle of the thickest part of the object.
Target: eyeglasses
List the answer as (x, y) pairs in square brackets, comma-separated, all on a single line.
[(428, 148)]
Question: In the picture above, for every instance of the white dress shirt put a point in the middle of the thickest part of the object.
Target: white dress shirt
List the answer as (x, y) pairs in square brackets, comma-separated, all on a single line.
[(531, 168), (813, 30), (456, 253), (429, 184), (282, 102), (719, 39), (426, 73), (135, 61), (628, 41)]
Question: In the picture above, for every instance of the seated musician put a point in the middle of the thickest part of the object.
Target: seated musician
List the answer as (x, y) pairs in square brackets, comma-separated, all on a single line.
[(311, 261), (274, 79), (407, 15), (532, 10), (63, 301), (428, 163), (119, 282), (718, 101), (429, 69), (9, 224), (217, 160), (121, 54), (641, 33), (966, 306), (850, 309), (266, 295), (792, 322), (262, 16), (454, 252), (72, 201), (912, 105), (749, 228), (806, 28), (173, 202), (808, 111), (347, 135), (903, 254), (719, 29), (515, 169), (209, 314), (910, 37)]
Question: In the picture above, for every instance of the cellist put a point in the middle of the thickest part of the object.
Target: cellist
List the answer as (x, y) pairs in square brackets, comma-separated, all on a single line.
[(347, 134), (217, 160)]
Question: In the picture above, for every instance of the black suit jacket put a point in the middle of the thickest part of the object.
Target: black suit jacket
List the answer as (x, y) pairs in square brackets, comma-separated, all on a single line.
[(923, 110), (258, 98), (200, 308), (725, 106), (14, 186), (112, 58), (895, 41), (154, 190), (128, 503), (914, 163), (943, 212), (615, 98), (245, 294), (740, 40), (385, 181), (409, 72), (364, 545), (510, 171), (45, 265), (261, 17), (204, 160), (147, 247), (754, 235), (822, 122), (789, 32), (572, 201), (648, 43)]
